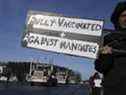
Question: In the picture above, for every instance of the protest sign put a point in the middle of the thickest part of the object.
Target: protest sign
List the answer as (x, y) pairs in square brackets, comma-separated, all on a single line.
[(74, 36)]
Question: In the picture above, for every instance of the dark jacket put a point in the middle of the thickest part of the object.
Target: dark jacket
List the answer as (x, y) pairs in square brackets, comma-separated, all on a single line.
[(113, 66)]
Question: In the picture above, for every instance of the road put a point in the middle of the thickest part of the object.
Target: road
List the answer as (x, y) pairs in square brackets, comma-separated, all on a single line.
[(43, 90)]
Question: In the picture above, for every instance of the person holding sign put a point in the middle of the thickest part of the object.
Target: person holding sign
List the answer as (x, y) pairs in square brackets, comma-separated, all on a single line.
[(112, 58), (96, 84)]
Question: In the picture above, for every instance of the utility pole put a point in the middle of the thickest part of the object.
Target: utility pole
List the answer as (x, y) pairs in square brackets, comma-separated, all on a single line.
[(30, 68)]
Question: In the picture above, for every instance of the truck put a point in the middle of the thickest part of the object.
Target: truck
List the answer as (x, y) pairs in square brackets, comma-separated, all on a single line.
[(48, 74), (38, 74)]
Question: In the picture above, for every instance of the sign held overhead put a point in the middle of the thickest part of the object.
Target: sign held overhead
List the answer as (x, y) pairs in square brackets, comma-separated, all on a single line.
[(51, 32)]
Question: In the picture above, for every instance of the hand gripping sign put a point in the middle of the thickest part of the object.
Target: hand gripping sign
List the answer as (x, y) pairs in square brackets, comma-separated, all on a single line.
[(56, 33)]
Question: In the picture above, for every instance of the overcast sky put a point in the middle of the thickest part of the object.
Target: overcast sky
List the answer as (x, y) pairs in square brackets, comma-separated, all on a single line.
[(12, 22)]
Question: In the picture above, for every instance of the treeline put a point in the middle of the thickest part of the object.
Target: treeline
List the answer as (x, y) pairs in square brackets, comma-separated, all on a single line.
[(18, 69), (22, 69)]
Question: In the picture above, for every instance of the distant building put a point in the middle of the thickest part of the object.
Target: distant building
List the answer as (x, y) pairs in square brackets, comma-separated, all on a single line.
[(3, 72), (39, 72)]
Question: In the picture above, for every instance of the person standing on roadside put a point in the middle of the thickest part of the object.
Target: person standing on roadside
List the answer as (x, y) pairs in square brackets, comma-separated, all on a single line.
[(112, 59)]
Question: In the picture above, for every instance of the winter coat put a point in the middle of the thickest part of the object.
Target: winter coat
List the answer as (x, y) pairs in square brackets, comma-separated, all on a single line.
[(113, 66)]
